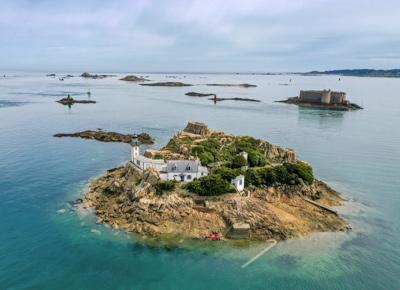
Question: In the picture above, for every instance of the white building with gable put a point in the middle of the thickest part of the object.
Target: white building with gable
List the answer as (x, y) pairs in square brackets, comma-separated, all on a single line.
[(179, 170)]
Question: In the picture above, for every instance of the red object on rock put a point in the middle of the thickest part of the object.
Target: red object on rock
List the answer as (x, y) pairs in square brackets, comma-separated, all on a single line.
[(213, 236)]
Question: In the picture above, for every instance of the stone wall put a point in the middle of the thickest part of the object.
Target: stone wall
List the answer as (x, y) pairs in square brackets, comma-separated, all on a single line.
[(324, 97), (311, 96), (338, 97)]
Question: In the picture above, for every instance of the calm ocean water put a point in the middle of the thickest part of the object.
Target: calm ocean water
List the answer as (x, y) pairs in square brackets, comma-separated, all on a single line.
[(358, 153)]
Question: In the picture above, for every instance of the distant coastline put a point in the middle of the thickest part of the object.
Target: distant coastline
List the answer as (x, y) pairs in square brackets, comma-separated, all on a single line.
[(390, 73)]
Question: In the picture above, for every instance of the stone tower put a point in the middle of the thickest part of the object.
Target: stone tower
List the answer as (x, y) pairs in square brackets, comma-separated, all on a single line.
[(326, 97)]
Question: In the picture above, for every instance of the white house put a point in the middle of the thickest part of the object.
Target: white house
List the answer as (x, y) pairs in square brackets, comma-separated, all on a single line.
[(183, 170), (238, 183), (179, 170)]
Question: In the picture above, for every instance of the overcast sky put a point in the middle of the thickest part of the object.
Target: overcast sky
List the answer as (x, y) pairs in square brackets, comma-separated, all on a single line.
[(198, 35)]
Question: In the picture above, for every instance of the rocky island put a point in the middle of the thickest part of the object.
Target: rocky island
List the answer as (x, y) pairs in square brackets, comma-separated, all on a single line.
[(325, 99), (215, 99), (106, 136), (233, 85), (132, 78), (205, 181), (200, 95), (68, 101), (167, 84), (87, 75)]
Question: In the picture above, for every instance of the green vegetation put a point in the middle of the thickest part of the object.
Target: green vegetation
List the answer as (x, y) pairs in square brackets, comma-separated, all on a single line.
[(287, 173), (158, 156), (216, 150), (238, 161), (210, 185), (164, 186), (256, 158), (302, 170), (223, 154), (227, 173)]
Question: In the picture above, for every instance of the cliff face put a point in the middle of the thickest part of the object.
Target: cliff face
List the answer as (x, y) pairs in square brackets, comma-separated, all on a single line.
[(278, 154), (125, 198)]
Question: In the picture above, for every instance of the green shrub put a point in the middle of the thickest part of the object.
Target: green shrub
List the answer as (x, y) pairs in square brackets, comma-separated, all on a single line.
[(252, 177), (206, 158), (288, 173), (210, 185), (256, 158), (158, 156), (164, 186), (302, 170), (246, 144), (227, 173), (197, 150), (211, 146), (283, 175), (238, 161)]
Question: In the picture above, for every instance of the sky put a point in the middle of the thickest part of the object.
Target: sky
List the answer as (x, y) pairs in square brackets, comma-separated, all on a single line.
[(198, 35)]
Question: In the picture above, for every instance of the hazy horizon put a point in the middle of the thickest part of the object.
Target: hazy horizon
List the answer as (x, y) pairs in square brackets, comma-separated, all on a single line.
[(198, 36)]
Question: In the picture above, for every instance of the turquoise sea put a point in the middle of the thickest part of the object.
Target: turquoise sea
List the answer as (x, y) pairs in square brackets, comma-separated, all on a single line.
[(358, 153)]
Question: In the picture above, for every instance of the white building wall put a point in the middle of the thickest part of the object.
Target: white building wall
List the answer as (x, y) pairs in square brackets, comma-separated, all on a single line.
[(134, 152), (238, 182)]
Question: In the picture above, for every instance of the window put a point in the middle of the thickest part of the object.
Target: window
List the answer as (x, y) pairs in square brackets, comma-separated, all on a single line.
[(240, 182), (137, 162), (173, 167), (187, 167), (189, 177)]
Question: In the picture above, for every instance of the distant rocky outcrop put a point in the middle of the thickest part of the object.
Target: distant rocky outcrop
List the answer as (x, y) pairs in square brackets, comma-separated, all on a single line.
[(233, 85), (234, 99), (132, 78), (95, 76), (194, 94), (71, 101), (167, 84), (105, 136)]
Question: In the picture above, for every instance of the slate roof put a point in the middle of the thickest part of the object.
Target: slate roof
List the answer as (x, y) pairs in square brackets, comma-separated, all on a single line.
[(182, 166)]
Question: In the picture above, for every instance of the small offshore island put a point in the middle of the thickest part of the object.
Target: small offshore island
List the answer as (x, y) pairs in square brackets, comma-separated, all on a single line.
[(206, 182), (108, 136), (69, 101), (325, 99)]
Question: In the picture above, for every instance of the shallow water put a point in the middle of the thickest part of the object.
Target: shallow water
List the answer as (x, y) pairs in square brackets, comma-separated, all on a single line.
[(358, 153)]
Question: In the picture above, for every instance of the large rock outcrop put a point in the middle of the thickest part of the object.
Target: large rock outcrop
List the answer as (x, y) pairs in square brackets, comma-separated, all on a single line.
[(125, 198), (197, 128)]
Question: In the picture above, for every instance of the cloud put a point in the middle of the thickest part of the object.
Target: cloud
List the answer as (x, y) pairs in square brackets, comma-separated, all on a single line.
[(202, 35)]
